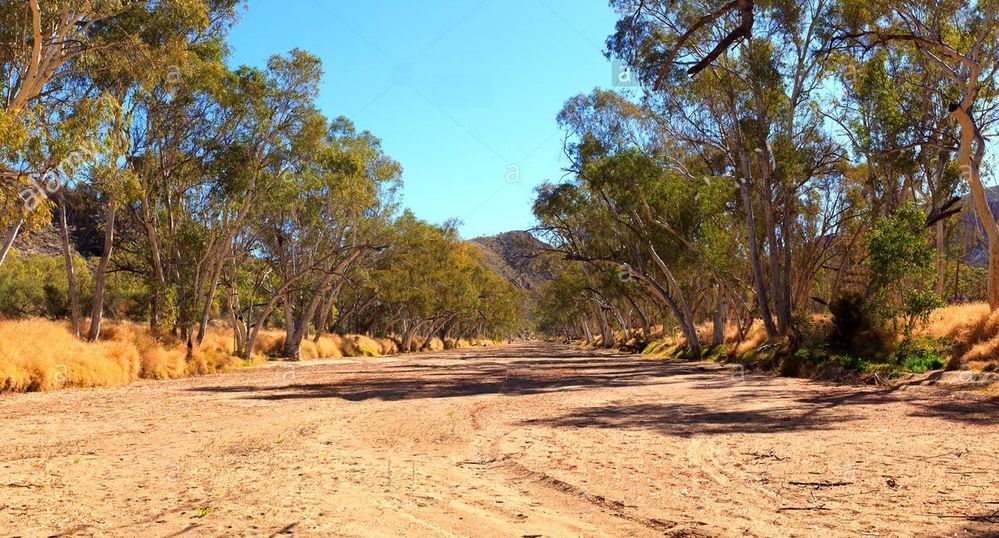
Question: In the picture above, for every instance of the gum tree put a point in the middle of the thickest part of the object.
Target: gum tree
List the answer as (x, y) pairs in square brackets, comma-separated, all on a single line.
[(960, 38)]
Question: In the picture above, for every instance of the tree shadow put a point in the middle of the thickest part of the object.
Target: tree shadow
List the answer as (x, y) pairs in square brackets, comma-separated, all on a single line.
[(515, 377), (685, 420), (965, 407), (924, 402), (984, 525), (984, 412)]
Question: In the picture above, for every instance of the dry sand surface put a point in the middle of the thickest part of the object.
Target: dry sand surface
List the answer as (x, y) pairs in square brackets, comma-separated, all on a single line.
[(524, 440)]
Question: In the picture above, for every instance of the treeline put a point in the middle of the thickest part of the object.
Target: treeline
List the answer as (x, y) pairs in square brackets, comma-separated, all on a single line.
[(213, 193), (771, 164)]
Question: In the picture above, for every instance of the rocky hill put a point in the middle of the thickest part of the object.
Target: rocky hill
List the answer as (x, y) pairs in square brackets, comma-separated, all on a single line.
[(518, 256)]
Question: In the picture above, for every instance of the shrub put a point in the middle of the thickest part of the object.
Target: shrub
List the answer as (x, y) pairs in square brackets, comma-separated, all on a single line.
[(850, 362), (853, 328), (36, 286), (923, 361), (900, 257), (388, 346), (435, 344), (330, 346)]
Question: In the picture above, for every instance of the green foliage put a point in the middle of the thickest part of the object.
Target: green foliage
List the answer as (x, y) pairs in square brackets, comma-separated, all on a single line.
[(922, 361), (36, 285), (427, 276), (901, 262), (850, 362)]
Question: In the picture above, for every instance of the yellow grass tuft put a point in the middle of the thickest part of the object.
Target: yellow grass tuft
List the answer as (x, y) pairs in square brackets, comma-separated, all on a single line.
[(330, 346), (388, 346), (357, 345), (435, 344), (37, 354), (269, 342), (756, 336), (973, 329)]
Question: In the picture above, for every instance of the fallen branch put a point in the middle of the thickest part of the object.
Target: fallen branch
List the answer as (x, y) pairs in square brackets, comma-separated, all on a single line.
[(822, 484)]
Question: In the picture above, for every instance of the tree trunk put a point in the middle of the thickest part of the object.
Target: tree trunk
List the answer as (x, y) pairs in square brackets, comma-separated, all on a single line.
[(759, 282), (606, 335), (719, 319), (238, 327), (251, 336), (941, 286), (970, 160), (681, 308), (100, 282), (215, 274), (74, 293), (646, 326), (620, 320), (11, 237), (408, 334), (430, 334), (586, 332), (156, 260)]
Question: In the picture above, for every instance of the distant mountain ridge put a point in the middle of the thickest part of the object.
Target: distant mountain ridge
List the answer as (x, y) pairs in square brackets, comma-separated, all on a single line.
[(518, 256)]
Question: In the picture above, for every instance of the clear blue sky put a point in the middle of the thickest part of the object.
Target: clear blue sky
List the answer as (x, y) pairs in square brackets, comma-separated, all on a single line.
[(463, 93)]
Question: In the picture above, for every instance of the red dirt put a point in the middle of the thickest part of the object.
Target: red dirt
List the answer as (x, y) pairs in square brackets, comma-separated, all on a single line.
[(524, 440)]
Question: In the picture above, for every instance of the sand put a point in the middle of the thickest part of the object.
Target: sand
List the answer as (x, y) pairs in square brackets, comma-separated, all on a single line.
[(523, 440)]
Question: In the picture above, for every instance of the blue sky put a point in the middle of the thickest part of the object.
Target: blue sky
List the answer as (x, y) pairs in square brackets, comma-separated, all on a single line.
[(463, 93)]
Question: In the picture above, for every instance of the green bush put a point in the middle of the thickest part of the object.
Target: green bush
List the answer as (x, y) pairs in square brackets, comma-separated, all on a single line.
[(35, 285), (922, 361), (901, 260), (850, 362)]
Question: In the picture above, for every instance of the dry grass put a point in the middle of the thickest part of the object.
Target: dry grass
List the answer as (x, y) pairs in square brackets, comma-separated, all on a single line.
[(330, 346), (271, 343), (167, 358), (456, 343), (670, 344), (755, 337), (388, 346), (38, 354), (973, 329), (358, 345), (435, 344)]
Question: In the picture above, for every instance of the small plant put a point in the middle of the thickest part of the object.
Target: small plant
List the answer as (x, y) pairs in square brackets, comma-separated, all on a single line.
[(922, 355), (850, 362), (923, 361), (202, 512)]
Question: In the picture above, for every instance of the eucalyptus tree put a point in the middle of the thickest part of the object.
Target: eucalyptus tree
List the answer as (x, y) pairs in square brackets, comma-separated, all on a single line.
[(422, 279), (207, 153), (499, 310), (893, 112), (645, 204), (562, 307), (751, 109), (321, 219), (51, 52), (960, 39)]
